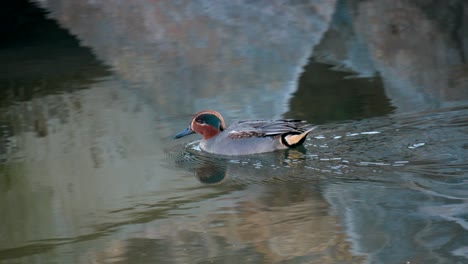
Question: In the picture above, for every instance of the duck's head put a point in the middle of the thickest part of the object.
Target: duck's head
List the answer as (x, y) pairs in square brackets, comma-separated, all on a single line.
[(207, 123)]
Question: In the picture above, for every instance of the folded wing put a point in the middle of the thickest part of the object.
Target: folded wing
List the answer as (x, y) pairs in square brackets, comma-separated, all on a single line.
[(267, 128)]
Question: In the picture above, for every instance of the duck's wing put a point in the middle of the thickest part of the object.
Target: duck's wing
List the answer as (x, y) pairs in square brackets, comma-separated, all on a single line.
[(267, 128)]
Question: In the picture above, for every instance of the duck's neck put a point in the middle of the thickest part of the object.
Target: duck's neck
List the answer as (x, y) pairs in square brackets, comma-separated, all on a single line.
[(209, 132)]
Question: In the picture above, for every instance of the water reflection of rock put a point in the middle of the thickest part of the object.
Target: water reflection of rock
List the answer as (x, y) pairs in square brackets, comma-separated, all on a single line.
[(418, 47), (259, 227), (51, 62), (202, 49)]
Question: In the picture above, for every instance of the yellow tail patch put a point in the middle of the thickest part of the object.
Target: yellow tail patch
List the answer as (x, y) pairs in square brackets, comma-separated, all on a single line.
[(294, 140)]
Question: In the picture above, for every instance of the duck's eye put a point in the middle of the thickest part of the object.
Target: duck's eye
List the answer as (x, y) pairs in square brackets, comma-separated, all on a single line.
[(200, 121)]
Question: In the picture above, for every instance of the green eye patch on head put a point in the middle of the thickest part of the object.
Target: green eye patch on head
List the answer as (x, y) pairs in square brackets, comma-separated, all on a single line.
[(210, 120)]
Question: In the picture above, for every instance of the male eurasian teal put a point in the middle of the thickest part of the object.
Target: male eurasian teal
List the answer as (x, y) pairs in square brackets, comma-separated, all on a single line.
[(245, 137)]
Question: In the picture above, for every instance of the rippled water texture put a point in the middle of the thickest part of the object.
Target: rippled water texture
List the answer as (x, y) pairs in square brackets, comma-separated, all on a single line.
[(92, 93)]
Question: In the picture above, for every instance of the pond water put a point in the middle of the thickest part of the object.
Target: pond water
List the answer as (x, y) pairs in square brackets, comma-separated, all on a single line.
[(92, 95)]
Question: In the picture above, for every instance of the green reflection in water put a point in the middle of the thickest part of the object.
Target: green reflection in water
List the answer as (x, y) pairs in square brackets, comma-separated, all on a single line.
[(326, 95), (42, 58)]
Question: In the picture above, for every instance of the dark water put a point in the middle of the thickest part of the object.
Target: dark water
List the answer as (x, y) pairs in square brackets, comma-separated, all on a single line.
[(92, 95)]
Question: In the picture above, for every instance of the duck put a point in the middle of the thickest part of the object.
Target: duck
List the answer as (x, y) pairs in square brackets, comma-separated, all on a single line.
[(245, 137)]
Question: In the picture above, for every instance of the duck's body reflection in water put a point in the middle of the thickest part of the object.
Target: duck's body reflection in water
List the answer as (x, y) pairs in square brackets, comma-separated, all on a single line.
[(257, 168)]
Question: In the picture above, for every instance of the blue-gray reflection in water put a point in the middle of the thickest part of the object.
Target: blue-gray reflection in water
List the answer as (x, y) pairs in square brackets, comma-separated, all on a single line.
[(89, 172)]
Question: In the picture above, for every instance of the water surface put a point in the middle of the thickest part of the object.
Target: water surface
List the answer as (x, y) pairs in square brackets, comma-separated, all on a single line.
[(92, 96)]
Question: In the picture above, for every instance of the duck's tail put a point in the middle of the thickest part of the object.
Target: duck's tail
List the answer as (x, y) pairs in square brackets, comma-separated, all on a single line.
[(295, 139)]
